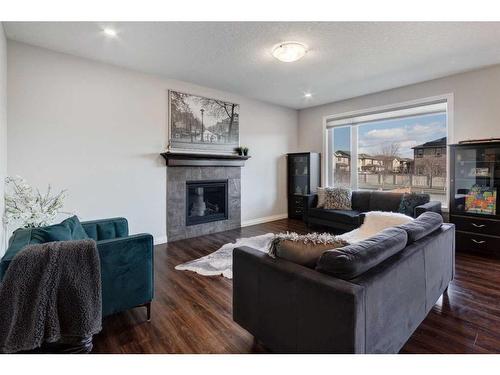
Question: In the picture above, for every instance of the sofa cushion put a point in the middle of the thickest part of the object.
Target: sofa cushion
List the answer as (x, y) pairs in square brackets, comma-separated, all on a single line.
[(353, 260), (57, 232), (76, 228), (342, 216), (361, 200), (412, 200), (423, 225), (385, 201)]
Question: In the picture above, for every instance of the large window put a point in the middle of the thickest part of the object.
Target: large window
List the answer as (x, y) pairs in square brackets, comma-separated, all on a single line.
[(401, 150)]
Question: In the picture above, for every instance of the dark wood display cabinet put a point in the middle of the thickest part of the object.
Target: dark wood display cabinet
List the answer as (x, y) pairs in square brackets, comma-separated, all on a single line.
[(304, 173), (474, 206)]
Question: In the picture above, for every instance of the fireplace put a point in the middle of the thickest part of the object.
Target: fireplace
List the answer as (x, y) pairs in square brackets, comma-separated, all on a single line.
[(206, 201)]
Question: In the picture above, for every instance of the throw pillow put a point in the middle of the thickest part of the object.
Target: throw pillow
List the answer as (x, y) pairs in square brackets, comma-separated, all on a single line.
[(321, 197), (76, 228), (410, 201), (337, 198), (303, 249), (57, 232)]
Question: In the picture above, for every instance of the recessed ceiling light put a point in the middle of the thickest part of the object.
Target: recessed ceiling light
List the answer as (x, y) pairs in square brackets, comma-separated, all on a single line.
[(289, 51), (308, 95), (110, 32)]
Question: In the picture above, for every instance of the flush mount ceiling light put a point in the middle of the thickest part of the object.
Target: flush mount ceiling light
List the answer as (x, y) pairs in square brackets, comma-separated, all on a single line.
[(307, 95), (108, 31), (289, 51)]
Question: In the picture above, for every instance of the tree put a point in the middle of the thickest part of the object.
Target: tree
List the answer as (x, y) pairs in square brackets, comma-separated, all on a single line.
[(181, 113), (388, 153), (219, 108), (432, 168)]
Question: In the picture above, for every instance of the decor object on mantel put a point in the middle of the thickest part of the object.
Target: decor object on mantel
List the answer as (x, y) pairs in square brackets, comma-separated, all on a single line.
[(242, 151), (199, 123), (25, 206)]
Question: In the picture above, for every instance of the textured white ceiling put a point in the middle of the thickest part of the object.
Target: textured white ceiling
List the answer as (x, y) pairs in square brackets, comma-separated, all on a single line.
[(344, 59)]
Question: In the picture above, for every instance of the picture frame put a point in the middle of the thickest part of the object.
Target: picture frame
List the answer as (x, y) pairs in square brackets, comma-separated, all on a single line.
[(200, 124)]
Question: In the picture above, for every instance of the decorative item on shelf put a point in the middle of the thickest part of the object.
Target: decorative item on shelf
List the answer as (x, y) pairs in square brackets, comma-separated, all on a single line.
[(239, 150), (298, 190), (25, 206), (481, 200), (245, 151), (479, 172)]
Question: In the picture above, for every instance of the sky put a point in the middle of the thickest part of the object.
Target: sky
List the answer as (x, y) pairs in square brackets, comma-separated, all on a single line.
[(408, 132)]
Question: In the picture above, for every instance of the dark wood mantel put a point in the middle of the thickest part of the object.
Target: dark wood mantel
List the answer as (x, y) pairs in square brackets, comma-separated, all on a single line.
[(184, 159)]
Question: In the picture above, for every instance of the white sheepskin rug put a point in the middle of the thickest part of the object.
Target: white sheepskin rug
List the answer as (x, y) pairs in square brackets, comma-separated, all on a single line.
[(220, 262)]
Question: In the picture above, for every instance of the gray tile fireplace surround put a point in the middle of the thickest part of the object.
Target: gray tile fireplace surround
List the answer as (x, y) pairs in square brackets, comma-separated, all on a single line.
[(176, 200)]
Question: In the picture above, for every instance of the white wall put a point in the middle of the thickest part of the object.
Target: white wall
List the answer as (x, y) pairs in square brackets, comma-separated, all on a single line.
[(3, 131), (97, 130), (476, 106)]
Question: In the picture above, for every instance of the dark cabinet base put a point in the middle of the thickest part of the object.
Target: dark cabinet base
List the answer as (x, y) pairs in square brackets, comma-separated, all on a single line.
[(477, 235), (477, 243), (296, 207)]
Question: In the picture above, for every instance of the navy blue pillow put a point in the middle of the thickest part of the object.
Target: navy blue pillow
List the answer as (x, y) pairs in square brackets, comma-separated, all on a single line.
[(412, 200)]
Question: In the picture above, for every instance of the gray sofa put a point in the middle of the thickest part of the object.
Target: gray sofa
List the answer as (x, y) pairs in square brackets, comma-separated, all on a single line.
[(364, 298), (362, 201)]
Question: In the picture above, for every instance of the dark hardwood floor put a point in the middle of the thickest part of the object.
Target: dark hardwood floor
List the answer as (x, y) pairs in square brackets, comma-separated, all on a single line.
[(192, 313)]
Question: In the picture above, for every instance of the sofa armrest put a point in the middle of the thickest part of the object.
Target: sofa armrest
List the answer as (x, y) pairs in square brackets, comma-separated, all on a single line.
[(126, 272), (433, 206), (362, 217), (295, 309), (105, 229)]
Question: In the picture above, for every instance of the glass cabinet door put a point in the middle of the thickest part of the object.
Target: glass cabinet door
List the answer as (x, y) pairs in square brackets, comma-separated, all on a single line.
[(476, 180), (299, 174)]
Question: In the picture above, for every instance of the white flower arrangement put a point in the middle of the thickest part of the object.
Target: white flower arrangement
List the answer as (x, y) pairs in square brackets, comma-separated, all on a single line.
[(27, 207)]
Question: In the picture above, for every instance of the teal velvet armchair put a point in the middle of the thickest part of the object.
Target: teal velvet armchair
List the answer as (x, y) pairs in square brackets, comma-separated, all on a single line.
[(127, 271)]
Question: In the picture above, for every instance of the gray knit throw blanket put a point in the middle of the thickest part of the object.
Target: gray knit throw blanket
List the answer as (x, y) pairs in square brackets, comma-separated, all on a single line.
[(310, 238), (49, 292)]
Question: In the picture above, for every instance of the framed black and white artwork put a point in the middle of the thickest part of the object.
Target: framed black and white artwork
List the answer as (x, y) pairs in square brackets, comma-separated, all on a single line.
[(202, 124)]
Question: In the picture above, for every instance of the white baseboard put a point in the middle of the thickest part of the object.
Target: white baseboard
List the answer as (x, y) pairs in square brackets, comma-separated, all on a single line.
[(160, 240), (262, 220)]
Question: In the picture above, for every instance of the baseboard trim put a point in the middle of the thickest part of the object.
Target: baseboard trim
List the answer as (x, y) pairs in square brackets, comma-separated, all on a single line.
[(262, 220), (160, 240)]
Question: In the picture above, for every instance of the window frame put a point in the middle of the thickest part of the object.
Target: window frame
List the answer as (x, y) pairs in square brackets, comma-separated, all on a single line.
[(356, 116)]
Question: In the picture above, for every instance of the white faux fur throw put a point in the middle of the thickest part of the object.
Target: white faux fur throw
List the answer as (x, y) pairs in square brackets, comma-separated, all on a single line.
[(220, 262), (375, 221)]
